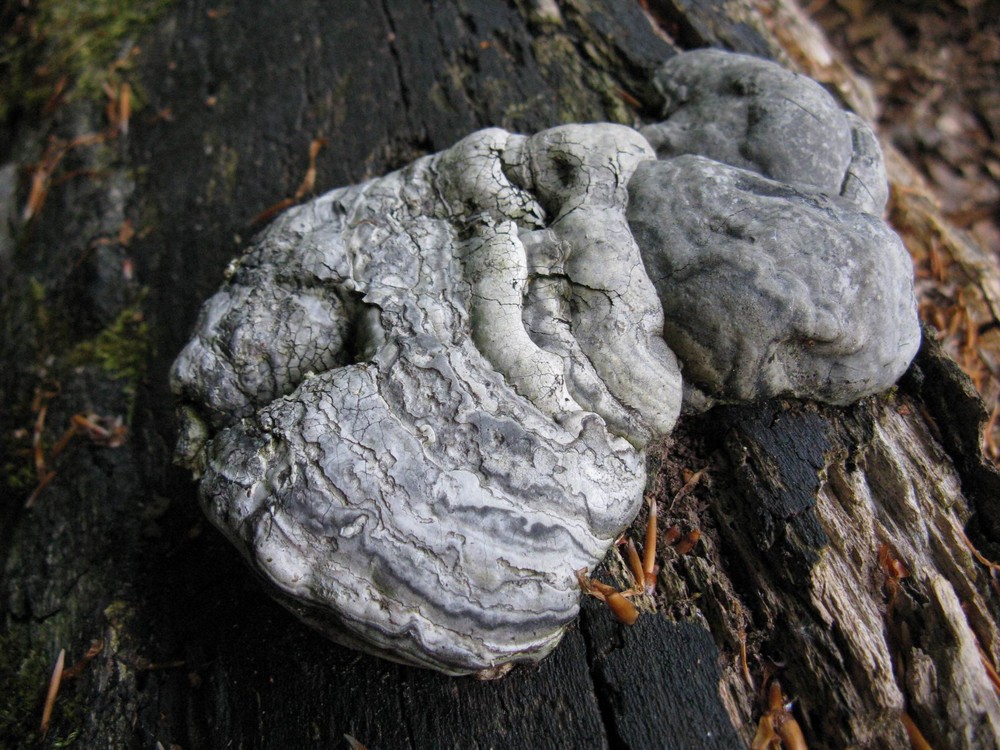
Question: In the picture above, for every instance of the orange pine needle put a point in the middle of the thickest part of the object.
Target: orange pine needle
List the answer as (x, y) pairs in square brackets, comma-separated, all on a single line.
[(41, 177), (88, 425), (36, 441), (124, 107), (649, 550), (307, 184), (628, 98), (937, 262), (271, 211), (63, 441), (42, 484), (765, 739), (56, 96), (685, 545), (96, 647), (50, 698), (777, 727), (689, 485), (917, 739), (790, 733), (744, 664), (742, 633), (991, 671), (36, 195), (309, 181), (977, 554), (775, 698), (598, 587), (634, 563), (111, 108), (622, 608)]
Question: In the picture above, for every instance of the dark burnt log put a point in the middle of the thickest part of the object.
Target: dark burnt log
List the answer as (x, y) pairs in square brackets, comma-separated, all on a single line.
[(796, 503)]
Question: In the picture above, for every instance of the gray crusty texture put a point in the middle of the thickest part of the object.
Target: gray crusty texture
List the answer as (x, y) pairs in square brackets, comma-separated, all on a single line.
[(761, 230), (418, 405), (754, 114), (431, 392)]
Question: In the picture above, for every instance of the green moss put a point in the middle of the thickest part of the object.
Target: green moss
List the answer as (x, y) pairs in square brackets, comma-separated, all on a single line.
[(45, 331), (229, 162), (78, 39), (19, 476), (120, 349), (22, 678), (40, 312), (119, 613), (221, 183), (36, 290), (520, 111), (585, 93)]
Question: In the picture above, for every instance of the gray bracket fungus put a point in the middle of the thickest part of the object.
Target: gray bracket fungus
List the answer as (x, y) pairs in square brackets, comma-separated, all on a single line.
[(419, 404), (760, 226)]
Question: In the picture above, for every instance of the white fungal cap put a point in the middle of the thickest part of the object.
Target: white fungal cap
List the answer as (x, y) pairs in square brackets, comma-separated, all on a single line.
[(490, 296), (420, 404)]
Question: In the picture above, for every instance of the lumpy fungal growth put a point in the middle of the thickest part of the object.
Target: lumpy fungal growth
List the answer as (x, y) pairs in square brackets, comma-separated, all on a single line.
[(761, 230), (419, 405), (428, 395)]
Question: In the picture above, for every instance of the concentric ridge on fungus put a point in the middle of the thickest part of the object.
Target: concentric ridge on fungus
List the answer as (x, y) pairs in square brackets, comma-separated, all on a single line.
[(419, 404)]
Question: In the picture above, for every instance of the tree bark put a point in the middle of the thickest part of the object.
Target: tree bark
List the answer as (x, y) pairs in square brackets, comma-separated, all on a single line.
[(832, 553)]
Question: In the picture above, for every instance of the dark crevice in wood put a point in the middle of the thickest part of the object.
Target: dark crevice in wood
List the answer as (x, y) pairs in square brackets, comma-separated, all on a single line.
[(957, 415), (710, 23), (602, 691), (404, 91)]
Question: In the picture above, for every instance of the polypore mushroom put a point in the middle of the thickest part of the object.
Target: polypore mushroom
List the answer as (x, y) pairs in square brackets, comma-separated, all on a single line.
[(427, 396), (760, 228), (418, 406)]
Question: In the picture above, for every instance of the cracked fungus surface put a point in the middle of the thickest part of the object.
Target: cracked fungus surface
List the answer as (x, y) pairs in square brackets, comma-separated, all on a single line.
[(419, 404)]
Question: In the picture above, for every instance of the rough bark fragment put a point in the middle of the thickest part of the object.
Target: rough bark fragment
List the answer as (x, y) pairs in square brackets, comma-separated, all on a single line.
[(729, 24), (679, 656), (854, 646)]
